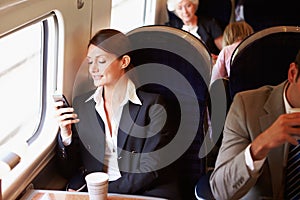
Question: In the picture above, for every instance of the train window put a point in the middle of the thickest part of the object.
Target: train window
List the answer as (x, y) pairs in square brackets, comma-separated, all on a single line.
[(127, 15), (20, 83), (29, 57)]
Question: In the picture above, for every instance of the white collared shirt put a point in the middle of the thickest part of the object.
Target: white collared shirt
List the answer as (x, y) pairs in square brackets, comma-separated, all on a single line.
[(111, 155), (287, 105), (191, 29)]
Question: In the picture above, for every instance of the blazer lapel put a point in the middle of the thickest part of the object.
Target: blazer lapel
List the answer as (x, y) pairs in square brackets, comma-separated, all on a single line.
[(128, 118), (95, 136), (274, 107)]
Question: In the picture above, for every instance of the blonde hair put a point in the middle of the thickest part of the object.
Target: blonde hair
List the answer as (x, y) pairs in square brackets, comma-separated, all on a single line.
[(236, 31), (173, 3)]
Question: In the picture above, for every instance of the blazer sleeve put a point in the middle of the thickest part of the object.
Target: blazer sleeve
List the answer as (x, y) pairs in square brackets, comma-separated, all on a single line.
[(68, 159), (231, 178)]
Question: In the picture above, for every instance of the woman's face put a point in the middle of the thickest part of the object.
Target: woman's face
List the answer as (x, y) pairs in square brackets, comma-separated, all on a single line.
[(185, 10), (104, 67)]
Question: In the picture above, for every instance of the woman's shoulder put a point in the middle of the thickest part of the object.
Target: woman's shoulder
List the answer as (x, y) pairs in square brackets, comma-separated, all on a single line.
[(211, 25), (174, 21), (147, 94), (84, 97), (206, 20), (149, 97)]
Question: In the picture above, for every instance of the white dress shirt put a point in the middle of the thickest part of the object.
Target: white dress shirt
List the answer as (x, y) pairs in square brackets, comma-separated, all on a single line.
[(111, 156), (191, 29)]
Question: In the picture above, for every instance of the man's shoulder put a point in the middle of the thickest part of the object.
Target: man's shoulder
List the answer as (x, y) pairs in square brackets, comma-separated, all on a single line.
[(262, 92)]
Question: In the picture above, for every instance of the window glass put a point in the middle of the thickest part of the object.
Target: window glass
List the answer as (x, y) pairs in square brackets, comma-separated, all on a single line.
[(20, 83), (127, 14)]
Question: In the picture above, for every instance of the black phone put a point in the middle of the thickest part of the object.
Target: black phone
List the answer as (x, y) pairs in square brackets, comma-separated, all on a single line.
[(61, 97)]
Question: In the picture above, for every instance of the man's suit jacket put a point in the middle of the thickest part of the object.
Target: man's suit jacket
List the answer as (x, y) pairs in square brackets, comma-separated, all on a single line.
[(142, 131), (250, 114)]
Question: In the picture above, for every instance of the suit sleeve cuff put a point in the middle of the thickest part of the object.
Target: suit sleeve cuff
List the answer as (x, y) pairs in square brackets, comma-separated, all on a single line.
[(66, 139), (253, 166)]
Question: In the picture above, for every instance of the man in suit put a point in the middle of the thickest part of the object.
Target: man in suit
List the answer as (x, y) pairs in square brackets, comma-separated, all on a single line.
[(251, 163)]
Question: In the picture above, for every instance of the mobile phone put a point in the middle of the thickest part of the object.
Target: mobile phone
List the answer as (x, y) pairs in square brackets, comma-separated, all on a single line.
[(61, 97)]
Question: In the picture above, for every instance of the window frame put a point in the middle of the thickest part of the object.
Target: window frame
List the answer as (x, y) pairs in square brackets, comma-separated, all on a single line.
[(38, 150)]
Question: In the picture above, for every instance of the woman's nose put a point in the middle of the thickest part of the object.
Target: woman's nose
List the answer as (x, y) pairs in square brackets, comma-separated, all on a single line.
[(94, 67)]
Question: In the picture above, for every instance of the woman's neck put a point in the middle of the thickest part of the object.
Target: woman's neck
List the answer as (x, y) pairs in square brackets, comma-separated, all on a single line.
[(115, 91), (192, 22)]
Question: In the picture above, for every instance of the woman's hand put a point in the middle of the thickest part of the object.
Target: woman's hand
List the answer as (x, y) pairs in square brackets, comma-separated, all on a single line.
[(214, 58), (65, 117)]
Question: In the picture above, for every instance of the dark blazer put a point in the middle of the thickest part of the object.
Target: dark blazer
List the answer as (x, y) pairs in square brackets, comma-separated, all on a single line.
[(138, 138)]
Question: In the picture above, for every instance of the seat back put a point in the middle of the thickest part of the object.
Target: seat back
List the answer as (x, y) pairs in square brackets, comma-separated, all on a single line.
[(263, 58), (219, 106), (177, 65), (221, 101), (268, 13), (221, 10)]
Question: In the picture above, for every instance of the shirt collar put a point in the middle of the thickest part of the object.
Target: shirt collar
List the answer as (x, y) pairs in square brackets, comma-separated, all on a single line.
[(191, 29), (130, 95), (287, 105)]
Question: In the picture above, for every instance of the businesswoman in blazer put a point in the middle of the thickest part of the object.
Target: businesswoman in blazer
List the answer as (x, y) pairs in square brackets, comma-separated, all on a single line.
[(115, 128)]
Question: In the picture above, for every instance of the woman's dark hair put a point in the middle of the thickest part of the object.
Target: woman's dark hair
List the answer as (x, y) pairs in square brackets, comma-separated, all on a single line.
[(113, 41)]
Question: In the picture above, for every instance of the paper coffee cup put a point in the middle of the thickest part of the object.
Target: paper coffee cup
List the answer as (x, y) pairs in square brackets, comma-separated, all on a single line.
[(97, 184)]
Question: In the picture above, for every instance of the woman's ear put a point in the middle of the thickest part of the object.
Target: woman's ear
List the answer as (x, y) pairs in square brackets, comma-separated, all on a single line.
[(125, 61)]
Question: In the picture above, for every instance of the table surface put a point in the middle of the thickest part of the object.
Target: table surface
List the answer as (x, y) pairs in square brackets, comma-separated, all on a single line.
[(64, 195)]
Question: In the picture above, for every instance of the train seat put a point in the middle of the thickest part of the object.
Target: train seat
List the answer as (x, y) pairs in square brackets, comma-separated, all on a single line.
[(268, 13), (221, 10), (263, 58), (218, 108), (177, 65)]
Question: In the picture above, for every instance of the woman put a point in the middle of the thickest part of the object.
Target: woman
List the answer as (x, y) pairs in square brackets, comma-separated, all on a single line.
[(118, 128), (204, 28), (234, 33)]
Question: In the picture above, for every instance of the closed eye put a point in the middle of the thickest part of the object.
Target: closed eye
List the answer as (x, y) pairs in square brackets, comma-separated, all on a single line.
[(101, 61)]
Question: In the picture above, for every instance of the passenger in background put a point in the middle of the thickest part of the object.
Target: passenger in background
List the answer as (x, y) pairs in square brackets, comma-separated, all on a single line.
[(204, 28), (254, 159), (234, 33), (239, 10), (120, 128)]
